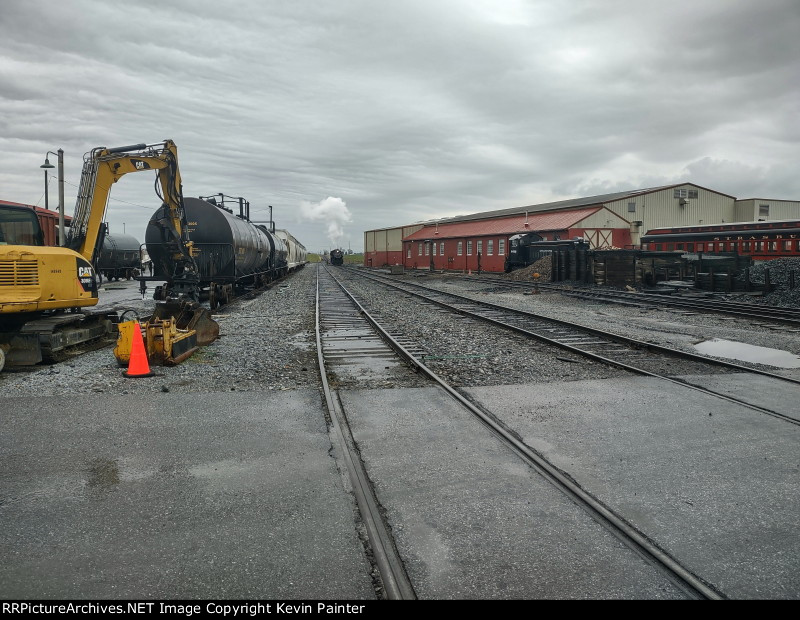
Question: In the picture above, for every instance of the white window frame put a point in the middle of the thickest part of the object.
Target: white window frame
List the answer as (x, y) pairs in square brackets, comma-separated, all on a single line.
[(427, 249), (679, 193), (441, 249), (420, 249), (501, 247), (469, 247), (489, 247), (763, 210), (460, 248), (408, 255), (479, 249), (434, 248)]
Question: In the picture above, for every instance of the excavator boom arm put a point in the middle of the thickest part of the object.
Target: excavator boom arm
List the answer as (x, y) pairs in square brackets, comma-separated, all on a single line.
[(102, 167)]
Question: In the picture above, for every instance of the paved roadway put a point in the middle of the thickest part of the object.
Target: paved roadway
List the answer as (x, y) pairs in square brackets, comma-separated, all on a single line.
[(233, 495), (124, 294), (236, 494)]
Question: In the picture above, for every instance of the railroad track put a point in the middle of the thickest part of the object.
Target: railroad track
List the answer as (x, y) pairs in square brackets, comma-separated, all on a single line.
[(753, 312), (343, 332), (633, 355), (346, 329)]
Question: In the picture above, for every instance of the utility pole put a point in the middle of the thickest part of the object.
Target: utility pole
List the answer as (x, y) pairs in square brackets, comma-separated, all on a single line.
[(61, 237)]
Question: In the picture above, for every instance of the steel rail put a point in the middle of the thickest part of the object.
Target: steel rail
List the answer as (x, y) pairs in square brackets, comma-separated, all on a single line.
[(746, 311), (396, 584), (689, 583), (630, 342), (742, 310)]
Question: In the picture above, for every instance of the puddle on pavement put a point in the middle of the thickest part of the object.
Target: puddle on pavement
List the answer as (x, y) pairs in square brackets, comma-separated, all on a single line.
[(103, 474), (748, 353)]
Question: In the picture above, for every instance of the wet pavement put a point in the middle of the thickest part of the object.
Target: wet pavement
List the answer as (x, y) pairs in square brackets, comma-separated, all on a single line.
[(236, 495), (168, 496), (472, 520), (713, 483), (124, 294), (716, 347)]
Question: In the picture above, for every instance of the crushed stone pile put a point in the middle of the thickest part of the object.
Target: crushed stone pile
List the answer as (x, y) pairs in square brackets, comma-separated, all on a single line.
[(779, 270), (543, 267)]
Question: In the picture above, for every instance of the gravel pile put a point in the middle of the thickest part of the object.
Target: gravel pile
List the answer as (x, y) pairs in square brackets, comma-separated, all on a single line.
[(543, 267), (266, 343), (779, 276)]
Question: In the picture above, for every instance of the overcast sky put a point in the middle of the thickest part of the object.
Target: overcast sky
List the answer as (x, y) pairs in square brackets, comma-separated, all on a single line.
[(353, 115)]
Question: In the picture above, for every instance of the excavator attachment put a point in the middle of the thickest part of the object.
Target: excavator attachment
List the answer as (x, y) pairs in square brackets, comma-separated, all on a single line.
[(173, 334), (190, 316)]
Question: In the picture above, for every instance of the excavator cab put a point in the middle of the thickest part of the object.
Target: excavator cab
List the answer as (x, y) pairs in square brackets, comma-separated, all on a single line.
[(19, 226)]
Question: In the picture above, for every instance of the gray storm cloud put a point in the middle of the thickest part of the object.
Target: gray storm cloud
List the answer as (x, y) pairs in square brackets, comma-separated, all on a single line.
[(333, 212), (413, 110)]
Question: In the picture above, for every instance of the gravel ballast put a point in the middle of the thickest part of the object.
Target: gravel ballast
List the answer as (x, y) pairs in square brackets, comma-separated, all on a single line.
[(267, 342), (666, 327)]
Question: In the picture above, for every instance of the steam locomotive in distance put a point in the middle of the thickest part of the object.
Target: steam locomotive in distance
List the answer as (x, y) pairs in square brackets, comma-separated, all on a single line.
[(337, 257)]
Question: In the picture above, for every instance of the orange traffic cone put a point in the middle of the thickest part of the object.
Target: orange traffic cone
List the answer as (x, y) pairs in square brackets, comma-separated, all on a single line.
[(138, 365)]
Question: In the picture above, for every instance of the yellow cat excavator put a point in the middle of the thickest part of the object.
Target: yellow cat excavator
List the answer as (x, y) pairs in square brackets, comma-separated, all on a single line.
[(44, 289)]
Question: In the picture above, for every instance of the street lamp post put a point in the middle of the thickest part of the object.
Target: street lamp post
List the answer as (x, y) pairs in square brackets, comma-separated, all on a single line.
[(47, 165)]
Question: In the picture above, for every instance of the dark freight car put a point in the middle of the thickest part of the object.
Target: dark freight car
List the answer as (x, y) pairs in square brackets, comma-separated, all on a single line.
[(120, 257), (569, 257), (232, 252)]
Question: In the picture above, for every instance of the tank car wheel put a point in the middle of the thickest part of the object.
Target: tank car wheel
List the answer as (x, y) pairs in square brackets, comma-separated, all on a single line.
[(2, 359)]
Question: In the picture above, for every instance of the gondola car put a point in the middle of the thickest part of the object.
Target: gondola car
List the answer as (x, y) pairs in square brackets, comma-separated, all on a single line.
[(525, 249)]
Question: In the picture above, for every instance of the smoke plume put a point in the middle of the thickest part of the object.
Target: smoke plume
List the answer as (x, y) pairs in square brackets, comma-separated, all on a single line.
[(332, 211)]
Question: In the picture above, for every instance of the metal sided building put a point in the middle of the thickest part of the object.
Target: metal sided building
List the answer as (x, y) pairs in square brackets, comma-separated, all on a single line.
[(384, 246), (616, 220), (766, 210), (482, 244), (684, 204)]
